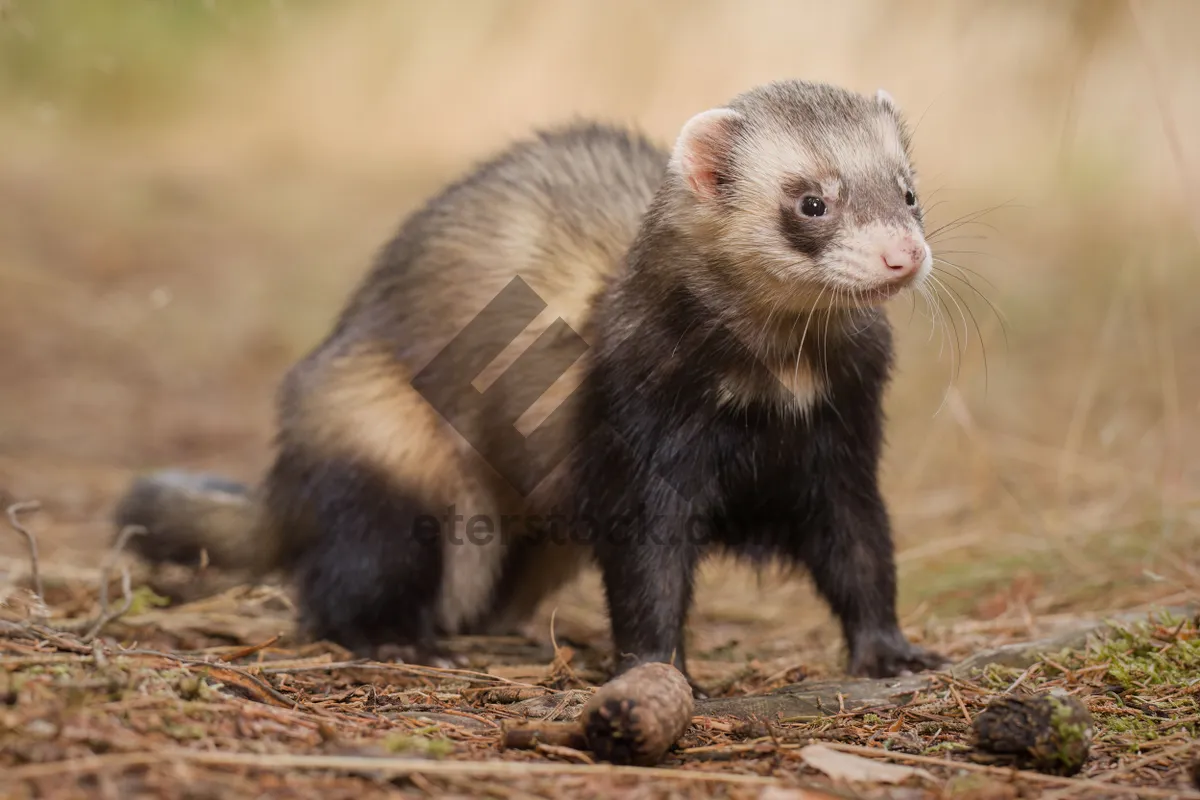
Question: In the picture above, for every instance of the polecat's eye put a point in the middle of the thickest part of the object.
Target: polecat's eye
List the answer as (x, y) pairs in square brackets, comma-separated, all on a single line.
[(811, 206), (910, 198)]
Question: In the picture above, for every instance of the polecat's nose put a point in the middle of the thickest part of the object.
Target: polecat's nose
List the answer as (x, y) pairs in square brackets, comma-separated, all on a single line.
[(903, 257)]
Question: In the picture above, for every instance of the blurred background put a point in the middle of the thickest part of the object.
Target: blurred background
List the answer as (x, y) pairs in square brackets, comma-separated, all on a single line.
[(189, 190)]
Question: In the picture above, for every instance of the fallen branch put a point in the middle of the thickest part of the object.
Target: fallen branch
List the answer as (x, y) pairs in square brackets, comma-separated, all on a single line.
[(388, 767)]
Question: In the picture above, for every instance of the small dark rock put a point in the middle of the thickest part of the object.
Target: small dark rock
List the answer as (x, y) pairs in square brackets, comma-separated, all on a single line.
[(1050, 733)]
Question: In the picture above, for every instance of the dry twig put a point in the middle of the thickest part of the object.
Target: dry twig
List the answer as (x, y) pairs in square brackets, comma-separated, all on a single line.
[(105, 615), (391, 767), (41, 613)]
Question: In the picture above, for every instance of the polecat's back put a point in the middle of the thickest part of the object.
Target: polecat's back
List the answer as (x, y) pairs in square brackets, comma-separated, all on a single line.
[(559, 211)]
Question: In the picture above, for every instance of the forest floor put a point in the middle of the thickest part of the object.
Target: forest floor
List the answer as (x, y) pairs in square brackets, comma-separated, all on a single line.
[(215, 698)]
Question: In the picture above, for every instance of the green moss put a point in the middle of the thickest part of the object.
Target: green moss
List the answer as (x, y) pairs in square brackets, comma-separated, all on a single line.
[(414, 742), (145, 599), (1127, 729), (997, 677), (194, 687), (181, 732), (1073, 732), (1048, 731), (1137, 660), (1144, 666)]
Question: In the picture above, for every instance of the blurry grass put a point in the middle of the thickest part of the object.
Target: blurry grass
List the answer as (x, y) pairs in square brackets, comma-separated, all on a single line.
[(1108, 562), (119, 60)]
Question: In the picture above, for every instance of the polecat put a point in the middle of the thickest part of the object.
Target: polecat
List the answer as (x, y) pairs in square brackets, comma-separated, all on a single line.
[(699, 333)]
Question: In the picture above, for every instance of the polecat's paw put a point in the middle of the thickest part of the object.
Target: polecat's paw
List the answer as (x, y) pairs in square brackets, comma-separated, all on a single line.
[(891, 657)]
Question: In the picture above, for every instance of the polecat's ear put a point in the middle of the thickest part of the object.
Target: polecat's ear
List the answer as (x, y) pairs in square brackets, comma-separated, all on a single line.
[(703, 149), (886, 100)]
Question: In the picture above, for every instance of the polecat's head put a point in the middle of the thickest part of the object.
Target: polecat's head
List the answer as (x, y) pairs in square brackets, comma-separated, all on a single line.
[(808, 190)]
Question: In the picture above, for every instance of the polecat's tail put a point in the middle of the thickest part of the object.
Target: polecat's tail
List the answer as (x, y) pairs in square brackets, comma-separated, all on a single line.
[(186, 513)]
